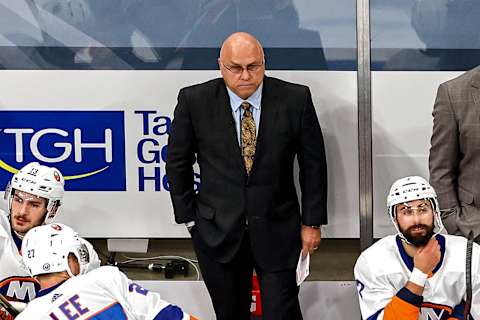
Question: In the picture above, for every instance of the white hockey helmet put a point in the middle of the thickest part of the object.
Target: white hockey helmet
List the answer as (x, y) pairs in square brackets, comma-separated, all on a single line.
[(413, 188), (45, 249), (41, 181)]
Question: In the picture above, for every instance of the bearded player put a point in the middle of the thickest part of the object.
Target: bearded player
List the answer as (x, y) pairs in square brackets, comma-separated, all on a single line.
[(416, 273)]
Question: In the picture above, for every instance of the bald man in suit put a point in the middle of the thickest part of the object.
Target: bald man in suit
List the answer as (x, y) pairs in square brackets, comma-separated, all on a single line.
[(245, 130)]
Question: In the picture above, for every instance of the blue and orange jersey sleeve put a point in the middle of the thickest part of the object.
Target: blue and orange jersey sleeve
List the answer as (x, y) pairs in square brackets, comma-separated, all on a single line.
[(405, 305)]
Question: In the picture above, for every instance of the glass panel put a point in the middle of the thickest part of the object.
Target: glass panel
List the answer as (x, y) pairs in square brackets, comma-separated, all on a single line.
[(425, 34), (413, 35), (173, 34)]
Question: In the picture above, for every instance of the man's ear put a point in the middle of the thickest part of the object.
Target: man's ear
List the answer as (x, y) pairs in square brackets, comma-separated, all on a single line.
[(73, 264)]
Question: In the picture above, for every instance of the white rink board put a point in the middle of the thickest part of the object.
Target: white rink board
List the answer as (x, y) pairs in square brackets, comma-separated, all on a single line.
[(402, 105), (318, 299), (148, 214)]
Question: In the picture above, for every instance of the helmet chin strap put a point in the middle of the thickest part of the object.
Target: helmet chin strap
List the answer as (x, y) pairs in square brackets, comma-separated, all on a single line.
[(436, 217), (399, 233), (18, 234)]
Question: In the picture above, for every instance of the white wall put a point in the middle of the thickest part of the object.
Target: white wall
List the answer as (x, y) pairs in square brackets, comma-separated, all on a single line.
[(148, 214)]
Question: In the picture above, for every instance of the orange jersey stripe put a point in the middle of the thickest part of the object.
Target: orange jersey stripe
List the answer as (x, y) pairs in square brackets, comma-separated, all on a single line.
[(8, 280), (399, 309), (437, 307)]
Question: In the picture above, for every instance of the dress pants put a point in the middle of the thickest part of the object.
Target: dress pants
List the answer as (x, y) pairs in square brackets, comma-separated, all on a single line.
[(230, 287)]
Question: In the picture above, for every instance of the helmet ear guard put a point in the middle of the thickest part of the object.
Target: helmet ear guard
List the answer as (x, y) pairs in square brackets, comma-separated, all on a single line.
[(8, 196), (409, 189), (52, 208)]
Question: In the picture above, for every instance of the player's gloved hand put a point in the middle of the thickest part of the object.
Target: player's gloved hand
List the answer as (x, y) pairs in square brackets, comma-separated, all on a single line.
[(427, 257)]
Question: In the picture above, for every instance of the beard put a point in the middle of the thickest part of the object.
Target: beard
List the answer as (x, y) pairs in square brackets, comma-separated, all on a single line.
[(418, 240)]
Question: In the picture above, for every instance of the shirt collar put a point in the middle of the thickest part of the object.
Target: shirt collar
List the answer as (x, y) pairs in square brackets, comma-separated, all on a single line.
[(255, 99)]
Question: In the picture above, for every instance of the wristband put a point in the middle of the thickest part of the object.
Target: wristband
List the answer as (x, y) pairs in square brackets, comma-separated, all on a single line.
[(418, 277)]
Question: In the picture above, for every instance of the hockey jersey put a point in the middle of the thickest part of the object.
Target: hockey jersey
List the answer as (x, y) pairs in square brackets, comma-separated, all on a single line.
[(15, 281), (102, 294), (382, 271)]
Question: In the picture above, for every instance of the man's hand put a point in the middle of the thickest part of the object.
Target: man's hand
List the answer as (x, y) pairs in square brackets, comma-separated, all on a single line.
[(311, 237), (427, 257)]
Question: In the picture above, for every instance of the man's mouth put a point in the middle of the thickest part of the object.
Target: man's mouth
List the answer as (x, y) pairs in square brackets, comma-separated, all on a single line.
[(418, 229), (20, 220)]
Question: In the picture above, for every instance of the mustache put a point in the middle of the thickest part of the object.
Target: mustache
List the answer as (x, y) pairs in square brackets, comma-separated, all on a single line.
[(20, 216), (417, 226)]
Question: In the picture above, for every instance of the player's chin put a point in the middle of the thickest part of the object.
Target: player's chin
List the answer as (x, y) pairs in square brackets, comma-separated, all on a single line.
[(248, 89), (418, 240), (21, 228)]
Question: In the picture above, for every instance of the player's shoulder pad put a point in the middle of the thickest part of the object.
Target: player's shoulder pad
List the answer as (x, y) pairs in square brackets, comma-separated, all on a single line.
[(379, 249), (455, 244), (106, 270), (379, 253)]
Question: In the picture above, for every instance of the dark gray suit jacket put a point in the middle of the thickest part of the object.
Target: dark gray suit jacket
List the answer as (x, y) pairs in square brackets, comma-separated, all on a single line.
[(203, 128), (455, 152)]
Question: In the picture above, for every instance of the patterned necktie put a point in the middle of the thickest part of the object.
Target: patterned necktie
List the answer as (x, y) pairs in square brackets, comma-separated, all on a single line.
[(248, 134)]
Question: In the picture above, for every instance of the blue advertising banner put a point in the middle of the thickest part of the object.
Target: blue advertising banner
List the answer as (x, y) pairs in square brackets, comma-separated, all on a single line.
[(88, 147)]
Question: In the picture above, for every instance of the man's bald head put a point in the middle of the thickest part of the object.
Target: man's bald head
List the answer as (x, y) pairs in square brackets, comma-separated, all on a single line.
[(241, 41), (242, 63)]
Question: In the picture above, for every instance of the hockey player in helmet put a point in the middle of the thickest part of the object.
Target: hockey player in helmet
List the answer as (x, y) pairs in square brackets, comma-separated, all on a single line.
[(54, 255), (34, 197), (402, 202), (417, 273)]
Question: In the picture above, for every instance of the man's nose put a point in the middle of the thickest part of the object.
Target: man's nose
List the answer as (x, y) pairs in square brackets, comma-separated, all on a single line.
[(416, 217), (245, 75), (23, 209)]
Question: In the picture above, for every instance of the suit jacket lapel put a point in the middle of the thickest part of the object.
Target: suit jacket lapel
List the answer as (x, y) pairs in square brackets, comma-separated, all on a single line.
[(225, 117)]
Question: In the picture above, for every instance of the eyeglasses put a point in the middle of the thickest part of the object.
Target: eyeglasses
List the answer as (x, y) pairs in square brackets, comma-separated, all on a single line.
[(237, 69), (420, 210)]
